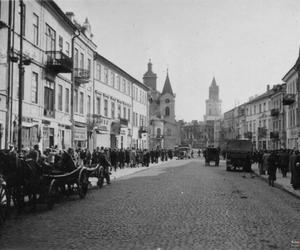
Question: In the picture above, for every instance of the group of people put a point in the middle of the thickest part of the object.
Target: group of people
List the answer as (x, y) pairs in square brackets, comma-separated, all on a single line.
[(283, 159)]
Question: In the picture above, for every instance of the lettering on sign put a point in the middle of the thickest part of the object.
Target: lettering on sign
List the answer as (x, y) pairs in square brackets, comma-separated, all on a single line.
[(80, 134)]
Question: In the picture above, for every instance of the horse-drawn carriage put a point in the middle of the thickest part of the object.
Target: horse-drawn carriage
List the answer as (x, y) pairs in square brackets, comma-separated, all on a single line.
[(25, 179)]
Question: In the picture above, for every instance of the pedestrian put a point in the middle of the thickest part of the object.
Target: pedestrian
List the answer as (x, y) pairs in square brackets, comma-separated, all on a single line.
[(273, 163)]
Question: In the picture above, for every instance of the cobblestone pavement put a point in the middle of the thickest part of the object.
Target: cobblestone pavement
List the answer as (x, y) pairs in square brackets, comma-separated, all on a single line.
[(178, 205)]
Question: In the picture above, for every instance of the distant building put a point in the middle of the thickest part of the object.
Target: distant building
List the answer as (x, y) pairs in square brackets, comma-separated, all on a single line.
[(163, 128), (213, 104), (193, 134)]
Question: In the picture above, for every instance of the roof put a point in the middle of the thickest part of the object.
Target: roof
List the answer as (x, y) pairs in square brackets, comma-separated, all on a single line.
[(119, 70), (213, 83), (167, 87), (294, 69)]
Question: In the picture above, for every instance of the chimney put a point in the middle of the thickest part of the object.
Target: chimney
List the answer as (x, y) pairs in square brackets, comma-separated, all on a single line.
[(70, 15), (268, 87)]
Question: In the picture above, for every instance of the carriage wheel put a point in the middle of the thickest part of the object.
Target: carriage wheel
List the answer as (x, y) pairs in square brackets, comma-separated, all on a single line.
[(3, 203), (83, 184), (52, 194)]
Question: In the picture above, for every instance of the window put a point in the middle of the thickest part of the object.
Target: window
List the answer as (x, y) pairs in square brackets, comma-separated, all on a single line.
[(60, 97), (118, 82), (112, 79), (119, 110), (23, 19), (50, 38), (67, 48), (98, 72), (112, 110), (49, 96), (89, 66), (128, 115), (81, 60), (76, 58), (169, 132), (98, 105), (167, 100), (124, 112), (128, 88), (81, 102), (105, 107), (123, 85), (60, 43), (105, 75), (89, 104), (35, 29), (158, 132), (76, 100), (67, 101), (34, 88)]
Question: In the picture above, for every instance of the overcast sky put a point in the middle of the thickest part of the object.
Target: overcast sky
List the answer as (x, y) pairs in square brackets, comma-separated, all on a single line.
[(245, 44)]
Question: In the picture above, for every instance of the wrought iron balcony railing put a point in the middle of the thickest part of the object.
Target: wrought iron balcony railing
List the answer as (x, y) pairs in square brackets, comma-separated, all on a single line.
[(274, 135), (58, 62), (81, 76), (274, 112), (288, 99)]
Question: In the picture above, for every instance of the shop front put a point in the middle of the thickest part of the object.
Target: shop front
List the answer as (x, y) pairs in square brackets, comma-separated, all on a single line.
[(31, 132), (80, 136)]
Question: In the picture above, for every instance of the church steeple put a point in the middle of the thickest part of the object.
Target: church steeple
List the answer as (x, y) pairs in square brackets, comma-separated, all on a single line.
[(167, 87), (150, 77), (214, 90)]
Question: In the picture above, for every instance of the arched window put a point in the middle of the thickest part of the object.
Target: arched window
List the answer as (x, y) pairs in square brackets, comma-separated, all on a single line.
[(158, 132), (169, 131), (167, 111)]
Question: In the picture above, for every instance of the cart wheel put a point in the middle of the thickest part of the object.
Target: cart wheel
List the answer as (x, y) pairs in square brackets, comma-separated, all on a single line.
[(3, 203), (52, 194), (83, 184)]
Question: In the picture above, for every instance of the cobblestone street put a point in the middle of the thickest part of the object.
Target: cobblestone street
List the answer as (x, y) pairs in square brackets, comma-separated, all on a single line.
[(177, 205)]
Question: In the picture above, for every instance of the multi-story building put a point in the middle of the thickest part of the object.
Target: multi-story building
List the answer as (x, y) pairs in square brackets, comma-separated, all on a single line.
[(120, 107), (278, 123), (47, 40), (64, 102), (291, 102)]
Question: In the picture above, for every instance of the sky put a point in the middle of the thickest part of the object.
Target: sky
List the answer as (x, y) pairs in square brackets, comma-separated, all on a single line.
[(244, 44)]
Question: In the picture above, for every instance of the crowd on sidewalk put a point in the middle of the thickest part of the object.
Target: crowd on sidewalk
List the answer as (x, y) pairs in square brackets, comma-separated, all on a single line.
[(285, 160)]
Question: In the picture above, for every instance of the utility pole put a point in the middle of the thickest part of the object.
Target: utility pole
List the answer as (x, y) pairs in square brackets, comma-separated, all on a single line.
[(21, 76)]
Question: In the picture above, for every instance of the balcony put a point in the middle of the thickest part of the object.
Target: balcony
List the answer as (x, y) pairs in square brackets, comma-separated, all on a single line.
[(274, 135), (81, 76), (58, 62), (274, 112), (288, 99), (49, 113)]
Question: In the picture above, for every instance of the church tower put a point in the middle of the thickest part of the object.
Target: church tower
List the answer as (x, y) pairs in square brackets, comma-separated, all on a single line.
[(150, 77), (167, 101), (213, 104)]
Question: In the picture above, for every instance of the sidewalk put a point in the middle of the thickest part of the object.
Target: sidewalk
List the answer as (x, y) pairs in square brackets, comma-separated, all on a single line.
[(281, 183), (127, 171)]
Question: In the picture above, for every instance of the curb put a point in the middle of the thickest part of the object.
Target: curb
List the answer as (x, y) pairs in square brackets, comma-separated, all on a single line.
[(277, 185)]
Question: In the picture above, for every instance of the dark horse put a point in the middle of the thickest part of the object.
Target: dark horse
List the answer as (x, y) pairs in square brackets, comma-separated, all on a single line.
[(23, 178)]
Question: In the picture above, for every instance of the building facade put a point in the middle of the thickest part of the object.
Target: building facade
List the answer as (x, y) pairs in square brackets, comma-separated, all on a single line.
[(64, 102), (163, 128)]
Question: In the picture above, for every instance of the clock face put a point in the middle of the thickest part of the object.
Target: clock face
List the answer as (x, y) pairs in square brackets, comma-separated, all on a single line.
[(167, 100)]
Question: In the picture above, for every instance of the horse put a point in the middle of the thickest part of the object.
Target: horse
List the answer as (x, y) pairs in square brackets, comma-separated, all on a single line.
[(23, 178)]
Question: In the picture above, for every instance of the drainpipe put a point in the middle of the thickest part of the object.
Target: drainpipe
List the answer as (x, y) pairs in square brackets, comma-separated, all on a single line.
[(72, 90), (21, 78), (8, 96)]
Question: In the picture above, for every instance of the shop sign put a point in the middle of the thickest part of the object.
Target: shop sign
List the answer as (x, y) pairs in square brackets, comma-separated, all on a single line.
[(80, 134), (98, 120)]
